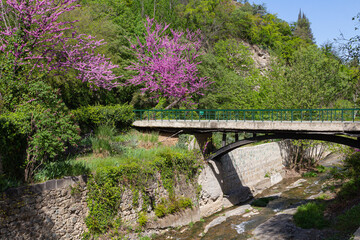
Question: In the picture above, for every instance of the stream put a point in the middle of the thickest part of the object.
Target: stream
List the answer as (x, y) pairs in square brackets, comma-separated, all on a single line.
[(250, 222)]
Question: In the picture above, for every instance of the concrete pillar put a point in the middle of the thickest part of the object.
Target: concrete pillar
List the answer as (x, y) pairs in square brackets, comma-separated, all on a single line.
[(223, 142), (204, 141), (236, 137)]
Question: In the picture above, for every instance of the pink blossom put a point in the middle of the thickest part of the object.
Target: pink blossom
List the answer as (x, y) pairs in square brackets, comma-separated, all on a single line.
[(43, 45), (167, 64)]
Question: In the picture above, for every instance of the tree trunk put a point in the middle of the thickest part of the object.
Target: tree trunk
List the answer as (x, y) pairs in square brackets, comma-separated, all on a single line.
[(154, 8), (173, 104)]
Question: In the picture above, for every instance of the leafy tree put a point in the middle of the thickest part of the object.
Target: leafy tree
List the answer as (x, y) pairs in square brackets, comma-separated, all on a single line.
[(167, 65), (212, 17), (314, 85), (35, 43)]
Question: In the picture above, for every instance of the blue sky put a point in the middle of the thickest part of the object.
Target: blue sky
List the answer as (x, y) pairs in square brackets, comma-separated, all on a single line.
[(328, 18)]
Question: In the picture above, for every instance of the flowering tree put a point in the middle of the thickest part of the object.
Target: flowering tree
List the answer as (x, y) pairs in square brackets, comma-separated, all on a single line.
[(31, 34), (35, 42), (167, 65)]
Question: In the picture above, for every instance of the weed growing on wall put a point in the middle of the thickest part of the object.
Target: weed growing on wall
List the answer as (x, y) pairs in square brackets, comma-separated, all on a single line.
[(107, 186)]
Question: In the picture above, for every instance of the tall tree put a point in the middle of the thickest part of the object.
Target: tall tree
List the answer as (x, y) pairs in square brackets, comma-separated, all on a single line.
[(302, 28)]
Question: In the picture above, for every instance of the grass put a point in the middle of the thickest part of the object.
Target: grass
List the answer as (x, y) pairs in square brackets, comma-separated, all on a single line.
[(94, 162), (109, 150)]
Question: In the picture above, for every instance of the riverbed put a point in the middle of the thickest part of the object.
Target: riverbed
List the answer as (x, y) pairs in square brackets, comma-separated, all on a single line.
[(274, 221)]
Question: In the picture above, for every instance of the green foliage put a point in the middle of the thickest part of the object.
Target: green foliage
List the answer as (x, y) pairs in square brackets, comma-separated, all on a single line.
[(321, 169), (349, 189), (173, 163), (107, 185), (302, 29), (90, 117), (59, 169), (324, 75), (160, 210), (310, 215), (309, 174), (103, 142), (183, 141), (352, 165), (43, 127), (262, 202), (234, 55), (172, 205), (350, 220), (142, 219), (6, 182)]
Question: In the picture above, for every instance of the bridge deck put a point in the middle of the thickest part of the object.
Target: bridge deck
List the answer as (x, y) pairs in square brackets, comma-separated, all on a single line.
[(251, 126)]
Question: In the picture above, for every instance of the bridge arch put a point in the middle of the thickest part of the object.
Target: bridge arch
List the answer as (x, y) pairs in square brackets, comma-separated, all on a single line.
[(295, 136)]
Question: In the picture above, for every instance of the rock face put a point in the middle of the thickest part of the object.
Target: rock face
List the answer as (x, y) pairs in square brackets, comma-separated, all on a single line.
[(52, 210), (282, 227)]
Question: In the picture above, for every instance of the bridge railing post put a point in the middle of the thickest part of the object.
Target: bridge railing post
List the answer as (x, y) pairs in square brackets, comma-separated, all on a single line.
[(353, 115)]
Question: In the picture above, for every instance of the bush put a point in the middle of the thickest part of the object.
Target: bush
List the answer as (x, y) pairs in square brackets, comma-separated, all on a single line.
[(160, 210), (172, 205), (90, 117), (350, 220), (142, 220), (349, 189), (352, 165), (310, 215), (309, 174)]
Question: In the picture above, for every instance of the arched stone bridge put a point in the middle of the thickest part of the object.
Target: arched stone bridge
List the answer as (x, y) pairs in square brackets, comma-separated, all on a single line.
[(333, 125)]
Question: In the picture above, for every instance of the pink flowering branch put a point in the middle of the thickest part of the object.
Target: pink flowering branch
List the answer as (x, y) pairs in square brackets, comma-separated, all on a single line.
[(167, 64), (31, 33)]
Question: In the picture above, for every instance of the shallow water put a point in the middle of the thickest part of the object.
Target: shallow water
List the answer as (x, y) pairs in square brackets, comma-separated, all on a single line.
[(288, 193)]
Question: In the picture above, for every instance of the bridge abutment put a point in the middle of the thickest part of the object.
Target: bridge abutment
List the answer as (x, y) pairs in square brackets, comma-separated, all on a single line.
[(205, 142)]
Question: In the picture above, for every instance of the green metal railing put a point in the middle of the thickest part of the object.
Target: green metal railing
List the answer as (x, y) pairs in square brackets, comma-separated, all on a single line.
[(292, 115)]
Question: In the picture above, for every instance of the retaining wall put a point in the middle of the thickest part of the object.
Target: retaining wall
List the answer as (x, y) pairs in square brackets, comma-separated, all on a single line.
[(57, 209), (240, 175)]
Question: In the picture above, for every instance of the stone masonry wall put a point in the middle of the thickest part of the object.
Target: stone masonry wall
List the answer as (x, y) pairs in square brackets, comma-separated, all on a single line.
[(57, 209), (239, 175), (52, 210)]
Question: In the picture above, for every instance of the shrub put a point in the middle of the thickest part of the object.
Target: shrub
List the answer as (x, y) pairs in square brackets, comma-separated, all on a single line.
[(309, 174), (352, 165), (160, 210), (350, 220), (172, 205), (349, 189), (321, 169), (142, 220), (90, 117), (310, 215)]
